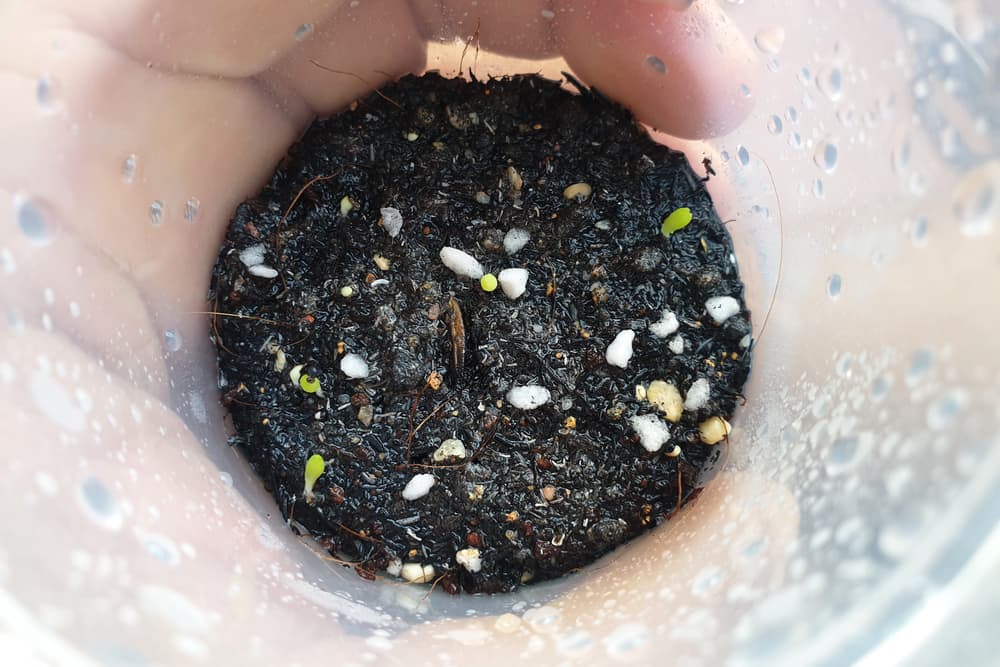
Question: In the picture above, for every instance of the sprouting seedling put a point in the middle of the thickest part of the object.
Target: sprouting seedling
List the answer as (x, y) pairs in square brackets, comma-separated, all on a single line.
[(488, 282), (314, 468), (676, 221), (309, 383)]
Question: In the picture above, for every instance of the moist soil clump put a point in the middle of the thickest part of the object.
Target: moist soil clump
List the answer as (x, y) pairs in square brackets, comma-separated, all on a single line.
[(461, 303)]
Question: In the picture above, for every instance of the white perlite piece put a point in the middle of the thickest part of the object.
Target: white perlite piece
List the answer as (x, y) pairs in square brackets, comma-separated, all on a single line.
[(676, 344), (653, 433), (513, 282), (452, 448), (470, 559), (263, 271), (667, 325), (253, 255), (395, 567), (462, 263), (416, 573), (528, 397), (698, 394), (419, 486), (620, 350), (354, 366), (392, 221), (721, 308), (515, 239)]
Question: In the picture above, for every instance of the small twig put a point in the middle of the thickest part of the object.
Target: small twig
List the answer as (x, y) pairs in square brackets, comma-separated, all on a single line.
[(359, 78), (298, 195), (243, 317), (356, 533), (781, 248)]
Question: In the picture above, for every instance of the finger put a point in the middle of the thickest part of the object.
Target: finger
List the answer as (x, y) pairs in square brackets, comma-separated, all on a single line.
[(233, 38), (515, 28), (358, 49), (681, 72)]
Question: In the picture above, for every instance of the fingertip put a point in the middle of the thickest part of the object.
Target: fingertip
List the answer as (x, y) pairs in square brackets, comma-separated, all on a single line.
[(687, 73)]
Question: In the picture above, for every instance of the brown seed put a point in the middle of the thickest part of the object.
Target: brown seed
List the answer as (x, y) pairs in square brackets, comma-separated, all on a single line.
[(513, 515), (434, 380), (549, 493), (341, 346), (359, 399), (570, 422), (370, 278), (474, 540)]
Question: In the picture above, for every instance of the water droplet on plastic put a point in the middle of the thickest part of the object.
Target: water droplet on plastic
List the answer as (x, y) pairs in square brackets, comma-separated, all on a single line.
[(825, 156), (896, 539), (173, 340), (745, 90), (191, 207), (920, 365), (743, 155), (846, 452), (818, 188), (679, 5), (774, 125), (656, 64), (631, 637), (976, 200), (31, 220), (795, 140), (770, 40), (98, 502), (833, 286), (919, 233), (941, 414), (129, 165), (304, 31), (901, 154), (805, 76), (46, 94), (773, 65), (830, 81), (880, 387), (157, 211), (707, 580)]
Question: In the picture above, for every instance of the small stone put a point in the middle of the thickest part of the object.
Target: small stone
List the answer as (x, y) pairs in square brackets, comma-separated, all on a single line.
[(697, 395), (653, 433), (419, 486), (253, 255), (471, 559), (354, 366), (382, 262), (667, 399), (515, 239), (676, 344), (262, 271), (365, 415), (620, 350), (449, 449), (415, 573), (514, 178), (462, 263), (513, 282), (549, 493), (578, 191), (666, 325), (569, 422), (675, 452), (713, 430), (721, 308), (412, 136), (392, 221), (528, 397), (482, 197)]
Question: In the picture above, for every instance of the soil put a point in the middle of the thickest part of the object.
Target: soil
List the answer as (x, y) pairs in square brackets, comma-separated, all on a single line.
[(309, 272)]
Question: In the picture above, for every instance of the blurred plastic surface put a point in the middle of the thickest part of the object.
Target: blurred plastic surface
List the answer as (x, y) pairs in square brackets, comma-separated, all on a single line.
[(856, 515)]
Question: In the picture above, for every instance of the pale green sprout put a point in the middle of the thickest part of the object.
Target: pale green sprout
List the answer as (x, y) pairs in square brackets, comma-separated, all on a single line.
[(676, 221), (309, 384), (314, 468), (488, 282)]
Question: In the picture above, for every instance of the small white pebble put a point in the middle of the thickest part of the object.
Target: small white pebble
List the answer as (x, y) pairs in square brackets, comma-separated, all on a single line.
[(721, 308), (667, 325), (513, 282), (263, 271), (470, 559), (452, 448), (528, 397), (745, 341), (697, 395), (462, 263), (354, 366), (515, 239), (620, 350), (392, 221), (419, 486), (253, 255), (653, 433), (676, 344), (416, 573), (395, 567)]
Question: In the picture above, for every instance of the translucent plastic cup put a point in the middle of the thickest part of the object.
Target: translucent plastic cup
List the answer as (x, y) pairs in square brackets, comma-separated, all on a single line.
[(854, 520)]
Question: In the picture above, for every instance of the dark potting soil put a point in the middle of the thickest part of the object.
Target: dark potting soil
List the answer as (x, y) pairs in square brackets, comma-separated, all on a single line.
[(316, 269)]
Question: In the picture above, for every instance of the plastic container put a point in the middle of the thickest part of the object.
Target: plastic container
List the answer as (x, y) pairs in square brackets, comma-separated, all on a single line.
[(854, 521)]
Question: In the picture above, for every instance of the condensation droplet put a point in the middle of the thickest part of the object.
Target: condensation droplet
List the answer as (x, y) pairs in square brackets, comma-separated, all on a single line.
[(818, 188), (656, 64), (304, 31), (826, 155), (773, 64), (46, 94), (942, 413), (54, 401), (846, 452), (920, 365), (829, 80), (805, 76), (770, 40), (975, 200), (98, 502), (627, 639), (745, 90), (157, 211), (707, 580), (743, 155), (774, 124), (897, 539), (173, 340), (834, 284), (880, 387), (74, 309), (795, 140), (901, 153), (191, 208), (32, 221), (918, 235), (129, 165)]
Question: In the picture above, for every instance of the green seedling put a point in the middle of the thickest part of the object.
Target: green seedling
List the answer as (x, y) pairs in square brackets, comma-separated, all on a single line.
[(676, 221), (309, 383), (488, 282), (314, 468)]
